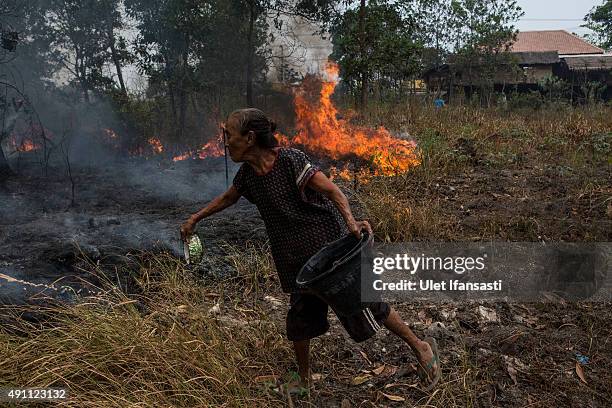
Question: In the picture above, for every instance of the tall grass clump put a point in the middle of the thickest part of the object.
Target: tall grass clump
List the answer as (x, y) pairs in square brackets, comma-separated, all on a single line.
[(397, 216)]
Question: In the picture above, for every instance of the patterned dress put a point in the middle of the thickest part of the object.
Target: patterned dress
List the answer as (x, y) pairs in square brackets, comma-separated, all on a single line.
[(299, 221)]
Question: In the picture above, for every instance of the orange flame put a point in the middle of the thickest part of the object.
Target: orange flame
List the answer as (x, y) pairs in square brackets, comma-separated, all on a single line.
[(213, 148), (111, 139), (184, 156), (156, 145), (321, 130), (26, 145)]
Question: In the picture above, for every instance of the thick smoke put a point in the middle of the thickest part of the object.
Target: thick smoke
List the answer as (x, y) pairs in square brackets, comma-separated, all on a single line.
[(77, 194)]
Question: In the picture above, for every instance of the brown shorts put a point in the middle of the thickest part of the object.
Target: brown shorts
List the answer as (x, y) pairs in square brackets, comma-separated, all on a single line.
[(307, 318)]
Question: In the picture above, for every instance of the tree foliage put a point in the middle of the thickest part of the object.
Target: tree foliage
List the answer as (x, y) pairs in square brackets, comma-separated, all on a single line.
[(386, 53), (78, 38), (483, 33), (599, 20), (187, 47)]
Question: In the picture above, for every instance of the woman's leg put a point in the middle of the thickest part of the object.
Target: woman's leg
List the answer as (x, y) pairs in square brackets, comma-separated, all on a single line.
[(302, 354), (306, 319), (421, 349)]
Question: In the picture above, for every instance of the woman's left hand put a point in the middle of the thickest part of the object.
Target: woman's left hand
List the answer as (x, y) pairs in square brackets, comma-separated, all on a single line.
[(358, 226)]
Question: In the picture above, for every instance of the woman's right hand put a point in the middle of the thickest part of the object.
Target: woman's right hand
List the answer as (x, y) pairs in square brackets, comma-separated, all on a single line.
[(356, 227), (187, 229)]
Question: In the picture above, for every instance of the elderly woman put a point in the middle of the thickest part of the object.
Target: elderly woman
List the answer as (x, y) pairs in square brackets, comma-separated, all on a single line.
[(302, 211)]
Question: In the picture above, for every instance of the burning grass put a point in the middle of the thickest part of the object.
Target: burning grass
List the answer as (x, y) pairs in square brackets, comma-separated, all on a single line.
[(320, 129)]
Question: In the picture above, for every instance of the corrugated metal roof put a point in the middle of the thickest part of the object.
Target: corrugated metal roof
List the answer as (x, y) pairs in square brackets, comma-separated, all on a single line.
[(589, 62), (535, 58), (555, 40)]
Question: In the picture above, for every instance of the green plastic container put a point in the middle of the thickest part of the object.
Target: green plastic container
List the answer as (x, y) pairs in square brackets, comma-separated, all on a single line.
[(193, 250)]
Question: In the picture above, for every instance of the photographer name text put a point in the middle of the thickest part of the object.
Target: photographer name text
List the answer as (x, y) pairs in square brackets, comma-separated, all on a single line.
[(431, 285)]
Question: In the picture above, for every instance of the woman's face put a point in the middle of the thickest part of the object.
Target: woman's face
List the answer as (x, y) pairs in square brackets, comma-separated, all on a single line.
[(237, 144)]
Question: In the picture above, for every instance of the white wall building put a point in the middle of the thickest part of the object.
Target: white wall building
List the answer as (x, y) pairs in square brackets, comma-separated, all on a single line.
[(299, 47)]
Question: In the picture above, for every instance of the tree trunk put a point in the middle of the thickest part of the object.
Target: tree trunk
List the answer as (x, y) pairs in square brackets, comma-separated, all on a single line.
[(170, 77), (8, 124), (365, 85), (81, 72), (182, 90), (182, 114), (5, 169), (362, 51), (117, 62), (250, 55), (172, 103)]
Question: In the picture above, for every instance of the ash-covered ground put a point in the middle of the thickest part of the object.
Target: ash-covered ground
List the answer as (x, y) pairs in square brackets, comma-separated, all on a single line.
[(124, 205)]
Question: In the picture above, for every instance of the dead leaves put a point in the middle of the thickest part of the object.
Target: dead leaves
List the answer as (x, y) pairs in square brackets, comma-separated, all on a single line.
[(360, 379), (273, 302), (317, 377), (487, 314), (395, 398), (424, 318), (365, 357), (580, 372), (415, 385), (265, 378), (515, 366), (384, 370), (512, 373), (379, 370)]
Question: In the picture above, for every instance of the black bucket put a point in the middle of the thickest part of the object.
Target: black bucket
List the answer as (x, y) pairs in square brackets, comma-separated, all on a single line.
[(334, 273)]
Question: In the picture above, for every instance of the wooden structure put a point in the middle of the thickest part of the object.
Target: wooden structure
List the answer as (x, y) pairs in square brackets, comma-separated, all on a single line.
[(535, 56)]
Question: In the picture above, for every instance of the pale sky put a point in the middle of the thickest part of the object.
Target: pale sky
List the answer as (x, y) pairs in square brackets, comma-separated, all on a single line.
[(555, 14)]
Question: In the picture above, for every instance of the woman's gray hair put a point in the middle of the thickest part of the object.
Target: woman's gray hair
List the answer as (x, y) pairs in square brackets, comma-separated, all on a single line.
[(254, 119)]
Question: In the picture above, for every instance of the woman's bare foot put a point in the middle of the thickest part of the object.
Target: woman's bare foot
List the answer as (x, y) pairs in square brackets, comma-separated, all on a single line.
[(299, 383), (425, 351)]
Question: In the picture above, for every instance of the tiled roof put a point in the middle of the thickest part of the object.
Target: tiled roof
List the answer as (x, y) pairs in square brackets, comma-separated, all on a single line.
[(558, 40)]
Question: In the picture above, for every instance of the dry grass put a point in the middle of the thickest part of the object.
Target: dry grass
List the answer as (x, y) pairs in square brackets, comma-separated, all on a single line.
[(525, 175), (397, 216), (578, 136), (160, 348)]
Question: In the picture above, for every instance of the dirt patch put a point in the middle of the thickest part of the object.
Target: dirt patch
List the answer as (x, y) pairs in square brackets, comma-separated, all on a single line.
[(530, 203)]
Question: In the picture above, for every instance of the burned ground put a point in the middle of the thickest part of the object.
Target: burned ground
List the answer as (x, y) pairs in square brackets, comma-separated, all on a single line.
[(127, 206)]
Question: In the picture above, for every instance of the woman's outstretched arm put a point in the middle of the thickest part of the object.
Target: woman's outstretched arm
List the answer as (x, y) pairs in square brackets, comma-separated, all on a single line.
[(219, 203), (319, 182)]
